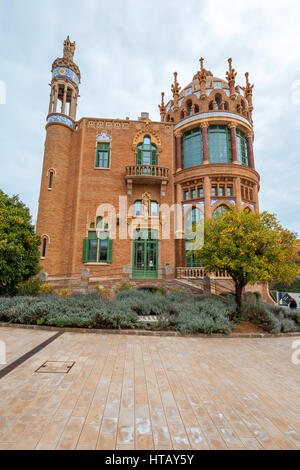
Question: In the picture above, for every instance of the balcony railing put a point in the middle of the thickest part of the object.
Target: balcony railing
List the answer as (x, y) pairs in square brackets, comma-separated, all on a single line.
[(199, 273), (147, 174), (148, 171)]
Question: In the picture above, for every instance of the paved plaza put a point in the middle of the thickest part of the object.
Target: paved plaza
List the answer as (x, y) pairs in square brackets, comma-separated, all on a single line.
[(147, 392)]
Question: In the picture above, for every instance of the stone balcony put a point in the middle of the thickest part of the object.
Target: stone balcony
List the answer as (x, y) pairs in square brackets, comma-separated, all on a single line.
[(147, 174)]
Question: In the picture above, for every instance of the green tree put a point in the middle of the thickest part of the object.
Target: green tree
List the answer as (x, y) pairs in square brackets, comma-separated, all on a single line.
[(251, 247), (19, 254)]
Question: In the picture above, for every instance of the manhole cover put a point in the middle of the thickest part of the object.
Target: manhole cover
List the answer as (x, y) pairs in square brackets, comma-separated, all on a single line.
[(55, 367)]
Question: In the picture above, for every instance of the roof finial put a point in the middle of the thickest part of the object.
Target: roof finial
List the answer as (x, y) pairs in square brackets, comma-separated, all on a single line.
[(175, 90), (162, 107), (231, 79), (202, 79), (248, 92), (69, 49)]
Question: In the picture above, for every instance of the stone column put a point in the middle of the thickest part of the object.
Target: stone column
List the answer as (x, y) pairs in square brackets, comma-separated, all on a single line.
[(55, 99), (255, 194), (250, 150), (204, 129), (178, 147), (237, 191), (63, 109), (207, 193), (233, 142)]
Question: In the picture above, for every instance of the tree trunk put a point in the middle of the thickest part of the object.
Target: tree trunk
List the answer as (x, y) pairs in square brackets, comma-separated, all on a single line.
[(238, 296)]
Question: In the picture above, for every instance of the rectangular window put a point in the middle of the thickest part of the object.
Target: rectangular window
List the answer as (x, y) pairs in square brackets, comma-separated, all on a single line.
[(200, 192), (186, 195), (193, 194), (97, 249), (102, 155), (214, 191), (229, 190), (221, 191)]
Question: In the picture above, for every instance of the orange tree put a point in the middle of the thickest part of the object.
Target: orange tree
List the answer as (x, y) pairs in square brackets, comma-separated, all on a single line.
[(19, 254), (251, 247)]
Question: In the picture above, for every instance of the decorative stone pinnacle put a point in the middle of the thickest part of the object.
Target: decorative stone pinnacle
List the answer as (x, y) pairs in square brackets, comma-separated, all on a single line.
[(175, 88), (69, 49), (161, 106), (202, 73), (248, 89), (232, 73)]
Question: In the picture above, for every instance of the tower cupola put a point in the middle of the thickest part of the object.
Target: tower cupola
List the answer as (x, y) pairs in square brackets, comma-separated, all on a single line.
[(64, 87)]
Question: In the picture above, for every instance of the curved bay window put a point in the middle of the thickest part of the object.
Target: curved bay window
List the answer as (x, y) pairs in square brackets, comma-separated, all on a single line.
[(242, 149), (192, 148), (146, 153), (219, 144)]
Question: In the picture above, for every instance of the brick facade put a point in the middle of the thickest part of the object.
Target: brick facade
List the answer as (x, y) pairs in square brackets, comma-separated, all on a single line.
[(71, 205)]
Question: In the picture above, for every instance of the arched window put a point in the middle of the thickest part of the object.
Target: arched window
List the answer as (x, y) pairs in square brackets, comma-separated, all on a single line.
[(44, 247), (226, 106), (168, 118), (218, 100), (242, 149), (154, 209), (219, 144), (138, 208), (189, 108), (51, 174), (146, 153), (211, 106), (182, 115), (192, 148), (220, 210)]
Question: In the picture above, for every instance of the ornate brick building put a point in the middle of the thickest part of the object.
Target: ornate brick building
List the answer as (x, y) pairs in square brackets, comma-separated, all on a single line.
[(106, 182)]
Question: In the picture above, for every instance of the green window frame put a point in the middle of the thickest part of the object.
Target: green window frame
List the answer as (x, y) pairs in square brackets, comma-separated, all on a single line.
[(219, 144), (97, 250), (102, 155), (192, 148), (146, 153), (242, 148), (190, 259)]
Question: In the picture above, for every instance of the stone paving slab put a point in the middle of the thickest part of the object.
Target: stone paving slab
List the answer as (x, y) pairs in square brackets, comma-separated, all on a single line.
[(139, 392), (19, 341)]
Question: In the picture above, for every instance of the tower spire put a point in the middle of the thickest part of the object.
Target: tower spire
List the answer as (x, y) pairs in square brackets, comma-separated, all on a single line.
[(69, 49), (175, 88), (248, 92), (162, 107), (230, 75), (202, 79)]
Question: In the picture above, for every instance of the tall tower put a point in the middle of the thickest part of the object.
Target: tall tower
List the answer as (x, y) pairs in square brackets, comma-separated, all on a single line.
[(56, 173)]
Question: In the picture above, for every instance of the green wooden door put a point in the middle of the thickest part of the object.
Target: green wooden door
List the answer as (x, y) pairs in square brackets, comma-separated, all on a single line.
[(145, 254)]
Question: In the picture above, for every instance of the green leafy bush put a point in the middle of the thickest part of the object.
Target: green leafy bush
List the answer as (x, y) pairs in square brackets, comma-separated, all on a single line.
[(30, 287)]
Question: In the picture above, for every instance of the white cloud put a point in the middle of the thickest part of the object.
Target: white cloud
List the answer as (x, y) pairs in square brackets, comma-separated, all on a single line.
[(127, 51)]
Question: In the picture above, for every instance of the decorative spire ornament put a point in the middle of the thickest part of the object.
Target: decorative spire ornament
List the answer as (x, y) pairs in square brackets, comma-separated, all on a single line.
[(202, 79), (162, 107), (230, 75), (175, 88), (248, 92)]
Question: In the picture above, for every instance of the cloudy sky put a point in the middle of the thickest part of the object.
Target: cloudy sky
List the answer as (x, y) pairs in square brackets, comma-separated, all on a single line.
[(127, 51)]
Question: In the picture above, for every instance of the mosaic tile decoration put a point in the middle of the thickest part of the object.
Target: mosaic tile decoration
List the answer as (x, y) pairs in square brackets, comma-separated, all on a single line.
[(65, 72), (214, 201), (60, 118), (193, 204), (103, 137), (248, 204), (211, 114)]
